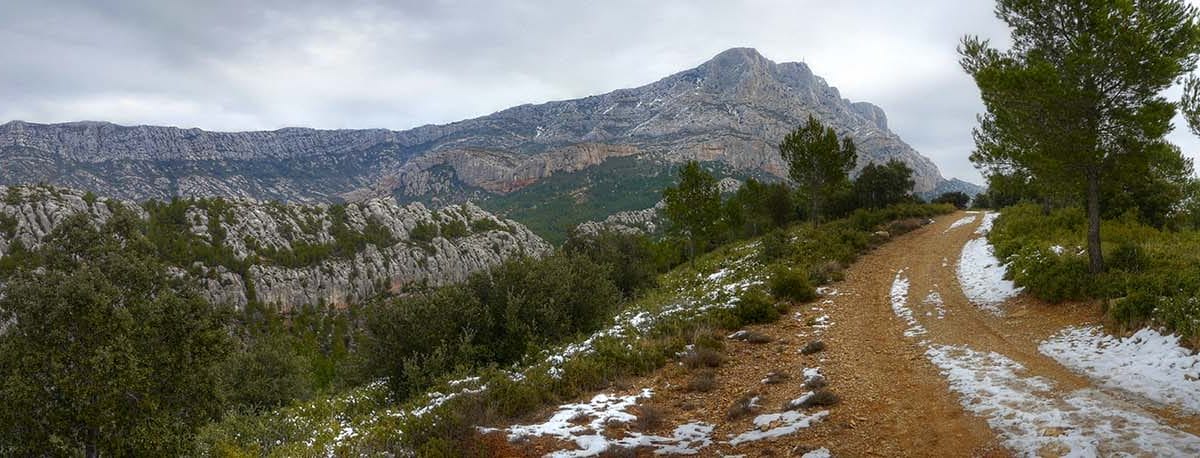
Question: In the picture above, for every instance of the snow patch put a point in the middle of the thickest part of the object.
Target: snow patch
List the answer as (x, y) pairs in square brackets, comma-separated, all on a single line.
[(1147, 364), (781, 424), (899, 295), (989, 218), (981, 276), (1033, 421), (818, 453), (960, 223), (604, 410)]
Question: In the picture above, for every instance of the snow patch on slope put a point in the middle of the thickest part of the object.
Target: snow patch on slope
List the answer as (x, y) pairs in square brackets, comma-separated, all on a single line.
[(601, 412), (1147, 364)]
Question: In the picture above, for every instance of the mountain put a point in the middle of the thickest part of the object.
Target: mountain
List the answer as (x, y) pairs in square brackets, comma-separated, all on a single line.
[(731, 111), (289, 255)]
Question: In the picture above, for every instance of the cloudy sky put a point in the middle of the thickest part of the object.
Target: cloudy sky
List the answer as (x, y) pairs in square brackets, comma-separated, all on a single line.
[(248, 65)]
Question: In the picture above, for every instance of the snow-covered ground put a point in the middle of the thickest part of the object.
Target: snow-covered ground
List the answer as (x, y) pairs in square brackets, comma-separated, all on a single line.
[(1148, 364), (773, 425), (899, 296), (1034, 419), (603, 411), (981, 274), (961, 222)]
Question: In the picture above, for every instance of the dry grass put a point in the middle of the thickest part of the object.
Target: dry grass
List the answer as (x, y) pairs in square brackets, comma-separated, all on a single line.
[(815, 346), (702, 382), (742, 406), (649, 418), (700, 357)]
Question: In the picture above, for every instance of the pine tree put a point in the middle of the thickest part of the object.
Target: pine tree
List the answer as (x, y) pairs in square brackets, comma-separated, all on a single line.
[(818, 163), (693, 207), (1077, 98)]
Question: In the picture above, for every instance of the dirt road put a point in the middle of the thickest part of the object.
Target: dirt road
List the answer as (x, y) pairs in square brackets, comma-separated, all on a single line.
[(920, 370)]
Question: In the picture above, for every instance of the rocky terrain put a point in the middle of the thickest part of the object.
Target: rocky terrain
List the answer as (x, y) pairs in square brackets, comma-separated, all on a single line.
[(733, 109), (283, 254)]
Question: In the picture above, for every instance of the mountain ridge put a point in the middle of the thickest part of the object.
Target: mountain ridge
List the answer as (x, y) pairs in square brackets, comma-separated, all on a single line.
[(732, 108)]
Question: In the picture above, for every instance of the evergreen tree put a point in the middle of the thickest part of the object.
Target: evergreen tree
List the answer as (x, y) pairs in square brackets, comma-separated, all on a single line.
[(878, 186), (1077, 98), (102, 352), (818, 163), (693, 207)]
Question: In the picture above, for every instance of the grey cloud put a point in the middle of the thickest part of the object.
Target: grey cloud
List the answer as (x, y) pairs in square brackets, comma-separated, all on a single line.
[(240, 65)]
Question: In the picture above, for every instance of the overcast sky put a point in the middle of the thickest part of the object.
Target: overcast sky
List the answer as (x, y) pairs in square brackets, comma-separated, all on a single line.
[(246, 65)]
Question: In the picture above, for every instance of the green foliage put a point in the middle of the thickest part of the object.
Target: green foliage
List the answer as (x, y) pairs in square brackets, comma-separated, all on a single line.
[(1075, 119), (757, 208), (424, 231), (878, 186), (777, 244), (8, 225), (629, 258), (1154, 275), (693, 207), (267, 375), (103, 352), (495, 318), (790, 284), (755, 307), (485, 225), (817, 162), (455, 229), (957, 198), (12, 195)]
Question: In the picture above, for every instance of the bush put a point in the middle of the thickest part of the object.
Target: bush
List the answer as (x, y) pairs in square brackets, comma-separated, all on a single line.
[(702, 382), (424, 231), (957, 198), (1052, 277), (790, 284), (775, 245), (754, 307)]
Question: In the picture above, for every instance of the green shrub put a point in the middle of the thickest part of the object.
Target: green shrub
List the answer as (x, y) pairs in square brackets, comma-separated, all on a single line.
[(790, 284), (424, 231), (775, 245), (754, 307), (1052, 277), (1128, 256), (454, 229), (1136, 309)]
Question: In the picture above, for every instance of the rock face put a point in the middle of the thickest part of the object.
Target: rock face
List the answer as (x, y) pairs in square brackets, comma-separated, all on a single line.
[(456, 241), (734, 108)]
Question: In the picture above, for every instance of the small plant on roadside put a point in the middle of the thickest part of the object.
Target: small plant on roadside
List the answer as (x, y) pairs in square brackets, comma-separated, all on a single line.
[(790, 284)]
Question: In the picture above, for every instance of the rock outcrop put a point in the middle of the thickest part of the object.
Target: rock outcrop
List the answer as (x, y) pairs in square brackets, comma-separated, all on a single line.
[(265, 242), (734, 108)]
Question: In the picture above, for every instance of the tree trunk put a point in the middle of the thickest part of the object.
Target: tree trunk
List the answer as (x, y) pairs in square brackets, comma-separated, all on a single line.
[(1095, 257)]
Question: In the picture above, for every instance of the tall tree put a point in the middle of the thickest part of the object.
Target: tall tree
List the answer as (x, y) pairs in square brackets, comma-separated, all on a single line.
[(878, 186), (818, 163), (693, 206), (1077, 96), (102, 352)]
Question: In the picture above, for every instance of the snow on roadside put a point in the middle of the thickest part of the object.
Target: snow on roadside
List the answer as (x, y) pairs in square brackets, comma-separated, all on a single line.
[(989, 218), (772, 425), (601, 412), (961, 222), (1148, 364), (981, 276), (1033, 421), (899, 296), (818, 453)]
